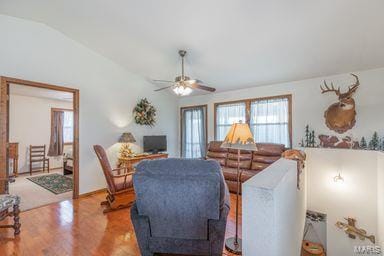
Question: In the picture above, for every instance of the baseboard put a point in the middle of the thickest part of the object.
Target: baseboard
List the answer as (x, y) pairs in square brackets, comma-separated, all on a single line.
[(103, 190)]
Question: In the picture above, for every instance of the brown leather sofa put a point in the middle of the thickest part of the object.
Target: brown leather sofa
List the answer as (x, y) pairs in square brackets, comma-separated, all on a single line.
[(251, 163)]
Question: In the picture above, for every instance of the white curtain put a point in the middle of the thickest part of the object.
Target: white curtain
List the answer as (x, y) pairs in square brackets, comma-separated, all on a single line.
[(226, 115), (269, 121), (68, 127), (194, 132)]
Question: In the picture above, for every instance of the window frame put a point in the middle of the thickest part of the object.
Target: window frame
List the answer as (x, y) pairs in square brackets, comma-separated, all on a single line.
[(205, 106), (61, 110), (248, 111)]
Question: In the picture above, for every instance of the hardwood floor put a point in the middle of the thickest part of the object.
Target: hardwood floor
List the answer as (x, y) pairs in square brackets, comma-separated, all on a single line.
[(79, 228)]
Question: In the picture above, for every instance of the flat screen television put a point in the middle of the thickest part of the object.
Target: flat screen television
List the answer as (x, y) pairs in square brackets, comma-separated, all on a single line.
[(155, 144)]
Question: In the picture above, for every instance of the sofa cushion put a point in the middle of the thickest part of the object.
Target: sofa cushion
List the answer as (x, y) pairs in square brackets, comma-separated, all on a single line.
[(245, 159), (247, 174), (216, 152), (230, 173), (257, 166), (215, 146), (269, 149), (212, 154), (265, 159)]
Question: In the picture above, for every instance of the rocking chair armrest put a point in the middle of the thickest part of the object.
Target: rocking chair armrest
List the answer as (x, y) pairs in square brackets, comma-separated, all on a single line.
[(122, 175), (119, 169)]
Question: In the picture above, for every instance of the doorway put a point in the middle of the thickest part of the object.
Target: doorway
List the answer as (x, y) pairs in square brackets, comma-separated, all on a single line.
[(67, 116), (193, 124)]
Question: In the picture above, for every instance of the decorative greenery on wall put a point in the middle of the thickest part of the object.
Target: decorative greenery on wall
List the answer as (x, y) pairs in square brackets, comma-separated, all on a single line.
[(331, 141), (145, 113), (309, 140)]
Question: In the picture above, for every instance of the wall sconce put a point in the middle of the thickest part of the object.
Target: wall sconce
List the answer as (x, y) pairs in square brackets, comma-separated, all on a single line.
[(338, 179)]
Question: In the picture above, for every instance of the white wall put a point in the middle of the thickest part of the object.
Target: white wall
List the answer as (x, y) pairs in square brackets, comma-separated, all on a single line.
[(380, 199), (273, 213), (30, 124), (108, 93), (309, 104), (357, 197)]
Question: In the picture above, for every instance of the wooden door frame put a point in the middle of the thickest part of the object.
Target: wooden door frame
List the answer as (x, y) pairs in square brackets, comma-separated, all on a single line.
[(4, 125)]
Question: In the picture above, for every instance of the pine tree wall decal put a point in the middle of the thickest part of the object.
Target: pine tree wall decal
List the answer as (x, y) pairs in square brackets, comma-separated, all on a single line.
[(374, 143), (307, 135), (363, 143)]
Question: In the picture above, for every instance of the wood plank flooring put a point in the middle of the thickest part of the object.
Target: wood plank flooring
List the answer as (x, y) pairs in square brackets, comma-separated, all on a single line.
[(79, 228)]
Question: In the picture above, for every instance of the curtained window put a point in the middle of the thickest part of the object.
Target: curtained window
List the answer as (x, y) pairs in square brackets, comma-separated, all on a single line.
[(193, 132), (226, 115), (269, 118), (269, 121), (68, 127)]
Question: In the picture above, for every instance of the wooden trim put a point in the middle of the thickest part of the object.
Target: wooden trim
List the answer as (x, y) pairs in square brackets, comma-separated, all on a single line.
[(61, 109), (4, 129), (3, 133), (205, 106), (102, 190), (248, 110), (11, 80), (76, 143)]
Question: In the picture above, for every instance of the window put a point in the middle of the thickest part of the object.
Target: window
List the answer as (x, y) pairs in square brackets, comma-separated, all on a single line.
[(193, 131), (226, 115), (270, 121), (68, 127), (269, 118)]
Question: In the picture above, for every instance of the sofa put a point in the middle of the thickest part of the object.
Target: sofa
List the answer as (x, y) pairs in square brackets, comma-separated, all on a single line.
[(181, 207), (251, 163)]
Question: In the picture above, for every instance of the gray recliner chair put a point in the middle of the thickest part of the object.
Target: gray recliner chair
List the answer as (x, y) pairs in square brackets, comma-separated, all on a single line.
[(181, 207)]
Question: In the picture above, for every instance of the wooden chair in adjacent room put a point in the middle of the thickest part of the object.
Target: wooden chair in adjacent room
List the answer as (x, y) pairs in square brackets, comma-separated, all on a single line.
[(119, 181), (37, 155)]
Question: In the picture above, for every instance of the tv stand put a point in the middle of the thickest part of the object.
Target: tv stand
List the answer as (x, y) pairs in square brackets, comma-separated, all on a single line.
[(129, 162)]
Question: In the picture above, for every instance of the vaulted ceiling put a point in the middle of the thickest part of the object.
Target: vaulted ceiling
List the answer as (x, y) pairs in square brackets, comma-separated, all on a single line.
[(231, 43)]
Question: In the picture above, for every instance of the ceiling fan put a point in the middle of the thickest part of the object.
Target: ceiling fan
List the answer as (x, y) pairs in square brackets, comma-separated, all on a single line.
[(184, 85)]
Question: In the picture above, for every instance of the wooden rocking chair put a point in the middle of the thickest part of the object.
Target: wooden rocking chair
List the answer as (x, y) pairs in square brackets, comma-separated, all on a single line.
[(119, 181)]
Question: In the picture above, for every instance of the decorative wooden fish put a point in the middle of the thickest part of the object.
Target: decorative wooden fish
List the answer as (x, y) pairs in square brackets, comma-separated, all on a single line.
[(352, 231)]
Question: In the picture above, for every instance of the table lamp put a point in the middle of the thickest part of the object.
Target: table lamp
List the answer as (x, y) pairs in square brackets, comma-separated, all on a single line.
[(239, 137), (125, 149)]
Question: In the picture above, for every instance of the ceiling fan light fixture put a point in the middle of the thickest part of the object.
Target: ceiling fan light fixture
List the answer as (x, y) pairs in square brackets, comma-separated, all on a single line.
[(184, 85), (182, 90)]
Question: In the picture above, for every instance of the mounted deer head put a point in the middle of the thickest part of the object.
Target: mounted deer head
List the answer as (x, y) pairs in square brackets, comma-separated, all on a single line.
[(341, 116)]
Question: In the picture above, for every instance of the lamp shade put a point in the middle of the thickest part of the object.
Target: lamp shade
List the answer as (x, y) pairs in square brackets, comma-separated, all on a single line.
[(239, 137), (127, 137)]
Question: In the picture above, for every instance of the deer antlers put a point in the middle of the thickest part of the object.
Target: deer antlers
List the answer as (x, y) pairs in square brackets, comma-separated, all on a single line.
[(351, 89), (327, 89)]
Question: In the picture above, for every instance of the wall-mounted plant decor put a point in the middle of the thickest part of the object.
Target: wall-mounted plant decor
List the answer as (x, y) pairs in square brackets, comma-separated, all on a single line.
[(309, 140), (341, 116), (145, 113)]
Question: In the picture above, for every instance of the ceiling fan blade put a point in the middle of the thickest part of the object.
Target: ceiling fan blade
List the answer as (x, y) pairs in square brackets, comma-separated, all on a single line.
[(163, 88), (162, 81), (197, 84)]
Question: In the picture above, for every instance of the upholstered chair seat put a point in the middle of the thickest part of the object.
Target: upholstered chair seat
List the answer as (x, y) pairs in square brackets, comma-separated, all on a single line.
[(9, 207), (8, 201)]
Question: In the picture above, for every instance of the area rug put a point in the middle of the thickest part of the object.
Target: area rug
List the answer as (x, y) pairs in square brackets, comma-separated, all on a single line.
[(56, 183)]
